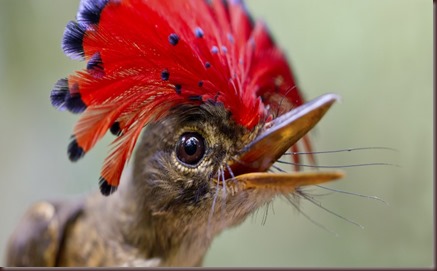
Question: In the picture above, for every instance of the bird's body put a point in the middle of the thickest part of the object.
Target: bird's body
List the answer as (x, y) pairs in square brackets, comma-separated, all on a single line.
[(201, 164)]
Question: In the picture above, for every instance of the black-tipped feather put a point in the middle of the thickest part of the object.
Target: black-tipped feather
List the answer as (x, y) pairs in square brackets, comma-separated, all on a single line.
[(59, 94), (75, 152), (115, 129), (74, 103), (89, 11), (105, 188), (95, 66), (72, 41), (62, 98)]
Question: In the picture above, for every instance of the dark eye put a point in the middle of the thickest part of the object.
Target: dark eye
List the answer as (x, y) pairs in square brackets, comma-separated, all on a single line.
[(190, 148)]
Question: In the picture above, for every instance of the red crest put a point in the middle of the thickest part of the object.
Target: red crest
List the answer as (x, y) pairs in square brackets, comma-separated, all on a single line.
[(146, 56)]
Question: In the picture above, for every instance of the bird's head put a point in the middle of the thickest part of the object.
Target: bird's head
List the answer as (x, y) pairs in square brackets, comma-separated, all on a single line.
[(198, 163), (215, 93)]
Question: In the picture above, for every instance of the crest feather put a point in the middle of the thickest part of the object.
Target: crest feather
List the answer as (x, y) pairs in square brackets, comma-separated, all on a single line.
[(145, 57)]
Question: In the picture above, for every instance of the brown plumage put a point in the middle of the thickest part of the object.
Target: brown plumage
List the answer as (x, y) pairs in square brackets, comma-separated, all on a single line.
[(167, 212)]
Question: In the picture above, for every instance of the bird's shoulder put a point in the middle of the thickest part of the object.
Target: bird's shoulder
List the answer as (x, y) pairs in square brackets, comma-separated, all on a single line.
[(37, 238)]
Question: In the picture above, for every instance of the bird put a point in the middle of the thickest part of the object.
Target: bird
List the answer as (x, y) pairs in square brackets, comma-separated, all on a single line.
[(213, 103)]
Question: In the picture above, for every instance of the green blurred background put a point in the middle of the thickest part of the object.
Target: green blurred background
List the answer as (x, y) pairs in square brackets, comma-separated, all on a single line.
[(376, 54)]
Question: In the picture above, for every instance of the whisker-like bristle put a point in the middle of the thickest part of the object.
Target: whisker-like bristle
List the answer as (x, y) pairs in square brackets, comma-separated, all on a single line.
[(222, 176), (338, 166), (290, 200), (211, 212), (266, 213), (223, 205), (277, 168), (353, 194), (318, 204), (277, 113), (308, 196), (342, 150), (230, 171)]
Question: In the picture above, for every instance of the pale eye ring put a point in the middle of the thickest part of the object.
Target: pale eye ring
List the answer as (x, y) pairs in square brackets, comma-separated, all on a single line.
[(190, 148)]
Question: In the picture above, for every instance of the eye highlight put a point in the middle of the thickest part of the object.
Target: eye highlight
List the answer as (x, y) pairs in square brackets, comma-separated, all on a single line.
[(190, 148)]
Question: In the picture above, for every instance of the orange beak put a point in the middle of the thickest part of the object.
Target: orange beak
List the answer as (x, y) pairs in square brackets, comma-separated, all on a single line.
[(249, 169)]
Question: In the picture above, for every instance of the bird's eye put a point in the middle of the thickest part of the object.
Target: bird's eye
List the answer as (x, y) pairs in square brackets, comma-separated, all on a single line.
[(190, 148)]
